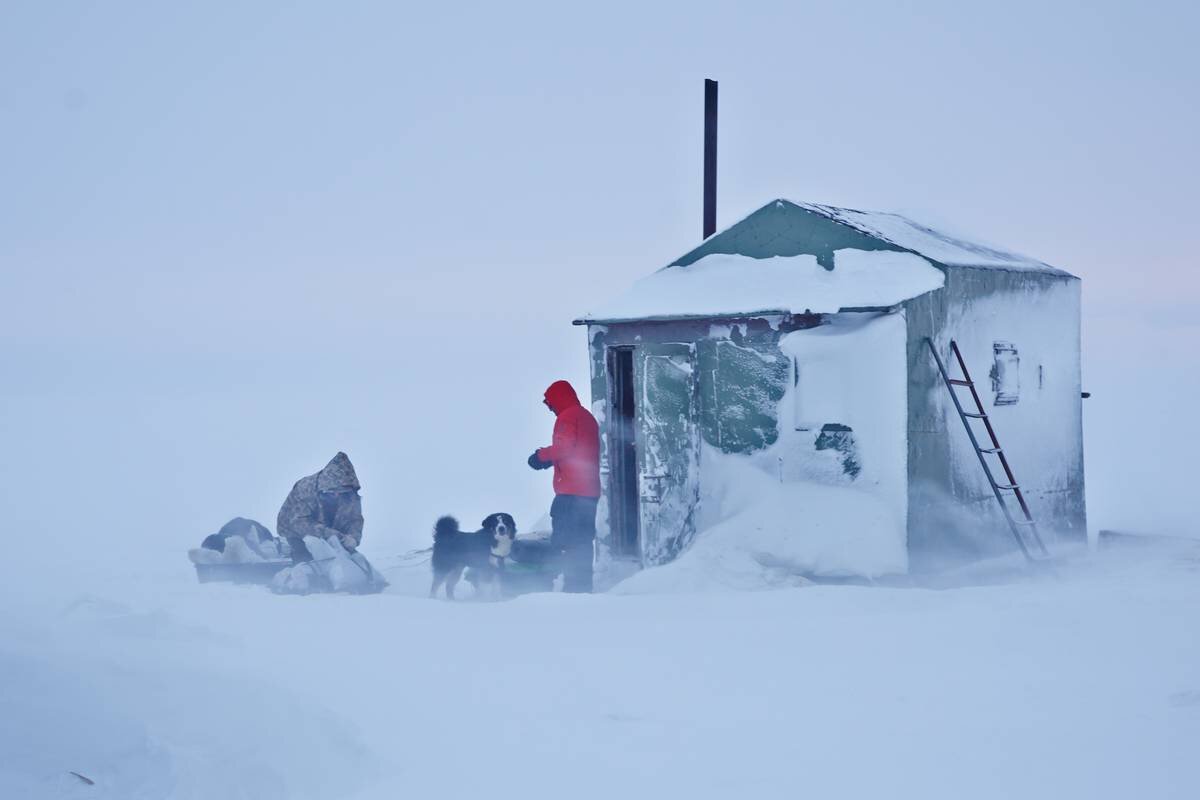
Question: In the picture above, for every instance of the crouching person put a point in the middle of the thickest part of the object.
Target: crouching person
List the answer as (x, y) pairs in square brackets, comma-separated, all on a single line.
[(325, 505), (575, 455), (322, 521)]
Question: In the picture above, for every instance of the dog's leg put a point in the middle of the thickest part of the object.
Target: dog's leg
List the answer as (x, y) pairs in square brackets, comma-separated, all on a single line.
[(494, 578), (452, 581), (437, 582)]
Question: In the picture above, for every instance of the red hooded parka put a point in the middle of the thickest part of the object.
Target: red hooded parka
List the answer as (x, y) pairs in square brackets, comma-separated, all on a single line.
[(575, 452)]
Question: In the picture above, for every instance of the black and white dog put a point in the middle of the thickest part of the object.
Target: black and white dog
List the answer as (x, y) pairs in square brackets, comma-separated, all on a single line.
[(484, 551)]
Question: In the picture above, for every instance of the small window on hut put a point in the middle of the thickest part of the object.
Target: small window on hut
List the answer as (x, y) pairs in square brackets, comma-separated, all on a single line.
[(1006, 381)]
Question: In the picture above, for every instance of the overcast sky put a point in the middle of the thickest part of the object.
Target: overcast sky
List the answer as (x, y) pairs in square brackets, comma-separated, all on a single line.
[(237, 237)]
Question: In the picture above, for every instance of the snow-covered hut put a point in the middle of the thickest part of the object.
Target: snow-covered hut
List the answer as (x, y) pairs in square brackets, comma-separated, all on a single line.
[(774, 387)]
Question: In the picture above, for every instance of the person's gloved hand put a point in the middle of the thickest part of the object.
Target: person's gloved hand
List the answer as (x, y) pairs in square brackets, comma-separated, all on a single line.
[(535, 462), (348, 542)]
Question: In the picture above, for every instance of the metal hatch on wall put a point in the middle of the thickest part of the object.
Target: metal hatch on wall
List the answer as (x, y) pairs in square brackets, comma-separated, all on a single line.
[(1005, 374), (654, 450), (668, 448)]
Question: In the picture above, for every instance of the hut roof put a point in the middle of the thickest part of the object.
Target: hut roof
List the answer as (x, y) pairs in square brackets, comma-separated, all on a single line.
[(791, 257)]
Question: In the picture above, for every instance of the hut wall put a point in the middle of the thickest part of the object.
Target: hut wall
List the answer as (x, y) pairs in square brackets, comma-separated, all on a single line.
[(741, 378), (761, 434), (1019, 334)]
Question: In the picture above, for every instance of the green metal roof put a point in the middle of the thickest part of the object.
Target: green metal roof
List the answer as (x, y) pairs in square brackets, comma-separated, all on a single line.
[(785, 228), (782, 228)]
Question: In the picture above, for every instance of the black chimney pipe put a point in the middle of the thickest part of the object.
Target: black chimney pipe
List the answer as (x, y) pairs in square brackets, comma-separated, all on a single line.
[(710, 157)]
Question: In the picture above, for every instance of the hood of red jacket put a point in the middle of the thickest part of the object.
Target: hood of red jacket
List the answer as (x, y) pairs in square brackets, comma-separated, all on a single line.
[(561, 396)]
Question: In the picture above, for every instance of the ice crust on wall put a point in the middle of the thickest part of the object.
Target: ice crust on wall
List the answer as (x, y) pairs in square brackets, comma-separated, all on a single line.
[(730, 285), (770, 517)]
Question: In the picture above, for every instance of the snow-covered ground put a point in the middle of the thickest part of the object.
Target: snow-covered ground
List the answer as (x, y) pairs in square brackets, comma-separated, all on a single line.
[(1086, 686)]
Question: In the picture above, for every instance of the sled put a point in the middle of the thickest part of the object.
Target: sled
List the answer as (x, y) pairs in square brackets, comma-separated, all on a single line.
[(522, 578), (257, 573), (531, 567)]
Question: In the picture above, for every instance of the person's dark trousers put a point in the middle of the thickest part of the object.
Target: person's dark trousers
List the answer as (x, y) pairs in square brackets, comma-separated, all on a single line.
[(300, 553), (573, 526)]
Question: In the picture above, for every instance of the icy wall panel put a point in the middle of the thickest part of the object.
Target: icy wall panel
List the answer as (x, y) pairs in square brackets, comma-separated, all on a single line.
[(1031, 321), (742, 386)]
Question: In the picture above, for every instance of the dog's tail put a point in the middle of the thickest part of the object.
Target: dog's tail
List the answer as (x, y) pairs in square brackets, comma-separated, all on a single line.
[(446, 526)]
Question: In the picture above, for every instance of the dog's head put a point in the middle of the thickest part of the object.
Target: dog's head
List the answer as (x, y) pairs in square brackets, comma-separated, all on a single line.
[(503, 529), (500, 525)]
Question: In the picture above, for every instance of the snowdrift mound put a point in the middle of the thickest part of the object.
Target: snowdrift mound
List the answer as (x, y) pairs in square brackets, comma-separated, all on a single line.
[(771, 534), (146, 704), (59, 724)]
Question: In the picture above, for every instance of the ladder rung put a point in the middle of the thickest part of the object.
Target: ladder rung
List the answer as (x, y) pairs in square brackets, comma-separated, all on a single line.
[(958, 382), (973, 415), (992, 450), (1011, 486)]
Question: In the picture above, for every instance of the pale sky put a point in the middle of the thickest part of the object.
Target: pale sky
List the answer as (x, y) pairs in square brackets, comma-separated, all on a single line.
[(235, 238)]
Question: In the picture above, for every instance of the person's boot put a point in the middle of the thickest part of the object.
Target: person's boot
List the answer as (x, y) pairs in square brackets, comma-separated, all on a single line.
[(300, 553)]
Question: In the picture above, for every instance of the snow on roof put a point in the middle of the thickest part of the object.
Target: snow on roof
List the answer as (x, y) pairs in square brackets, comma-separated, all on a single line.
[(723, 284), (764, 263), (933, 244)]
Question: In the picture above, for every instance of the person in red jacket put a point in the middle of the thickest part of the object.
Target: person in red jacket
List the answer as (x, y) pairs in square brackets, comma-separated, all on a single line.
[(575, 455)]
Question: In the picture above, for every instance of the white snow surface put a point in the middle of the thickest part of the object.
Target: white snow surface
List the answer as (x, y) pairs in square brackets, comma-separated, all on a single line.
[(945, 248), (724, 285), (158, 687)]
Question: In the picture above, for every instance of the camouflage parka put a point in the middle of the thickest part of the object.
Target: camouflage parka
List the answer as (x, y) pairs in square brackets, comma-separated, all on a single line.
[(303, 513)]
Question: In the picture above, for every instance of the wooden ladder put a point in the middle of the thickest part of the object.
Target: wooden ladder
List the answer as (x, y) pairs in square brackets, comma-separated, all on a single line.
[(1023, 528)]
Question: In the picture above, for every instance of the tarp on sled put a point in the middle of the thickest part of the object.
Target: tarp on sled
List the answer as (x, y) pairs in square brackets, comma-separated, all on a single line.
[(243, 551), (332, 569)]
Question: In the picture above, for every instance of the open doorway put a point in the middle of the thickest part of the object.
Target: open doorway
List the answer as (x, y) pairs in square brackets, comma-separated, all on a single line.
[(624, 516)]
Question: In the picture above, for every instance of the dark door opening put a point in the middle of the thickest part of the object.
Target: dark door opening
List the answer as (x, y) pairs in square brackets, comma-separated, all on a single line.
[(624, 515)]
